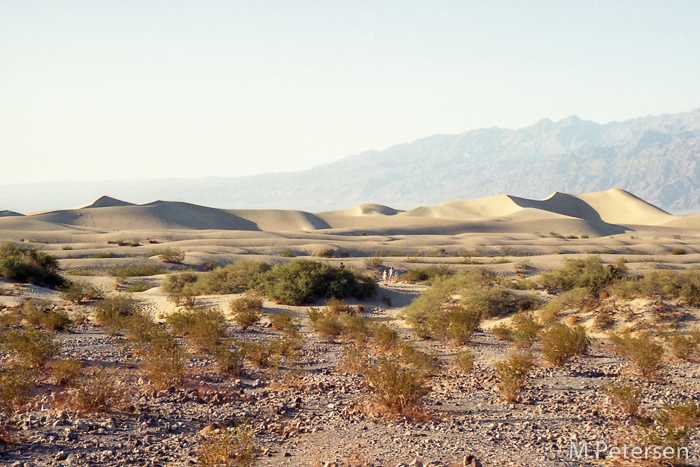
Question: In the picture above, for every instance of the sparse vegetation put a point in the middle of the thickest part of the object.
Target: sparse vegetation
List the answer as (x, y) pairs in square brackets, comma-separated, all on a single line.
[(31, 347), (79, 292), (512, 373), (246, 310), (16, 384), (96, 392), (625, 395), (172, 255), (561, 342), (229, 447), (642, 351)]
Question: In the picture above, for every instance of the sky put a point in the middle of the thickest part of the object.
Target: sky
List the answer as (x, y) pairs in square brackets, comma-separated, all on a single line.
[(134, 89)]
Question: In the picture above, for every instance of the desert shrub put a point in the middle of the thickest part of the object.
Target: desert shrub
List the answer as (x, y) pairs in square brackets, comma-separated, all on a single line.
[(96, 392), (165, 362), (569, 299), (30, 346), (354, 359), (512, 373), (374, 261), (325, 253), (29, 266), (526, 328), (426, 363), (588, 273), (172, 255), (462, 322), (428, 273), (139, 287), (233, 278), (79, 292), (464, 361), (678, 251), (684, 285), (383, 337), (204, 328), (338, 320), (301, 281), (122, 272), (112, 313), (625, 395), (229, 447), (397, 388), (66, 371), (16, 384), (520, 284), (671, 426), (685, 347), (247, 310), (230, 360), (503, 332), (42, 313), (643, 352), (561, 342), (259, 353), (284, 322), (603, 320)]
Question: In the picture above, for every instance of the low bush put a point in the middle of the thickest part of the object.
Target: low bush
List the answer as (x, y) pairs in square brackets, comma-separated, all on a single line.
[(561, 342), (204, 328), (16, 384), (229, 447), (374, 261), (512, 373), (338, 320), (246, 310), (526, 329), (428, 273), (383, 337), (79, 292), (113, 313), (625, 395), (122, 272), (66, 372), (461, 323), (284, 322), (96, 392), (42, 313), (684, 285), (165, 363), (464, 361), (29, 266), (325, 253), (671, 426), (32, 347), (230, 360), (138, 287), (643, 352), (678, 251), (395, 387), (589, 273), (172, 255)]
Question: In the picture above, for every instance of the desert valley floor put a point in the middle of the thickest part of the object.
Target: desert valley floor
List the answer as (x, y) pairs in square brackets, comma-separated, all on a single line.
[(309, 407)]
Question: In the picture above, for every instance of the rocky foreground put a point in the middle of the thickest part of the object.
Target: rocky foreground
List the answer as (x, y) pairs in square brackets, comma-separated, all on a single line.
[(312, 413)]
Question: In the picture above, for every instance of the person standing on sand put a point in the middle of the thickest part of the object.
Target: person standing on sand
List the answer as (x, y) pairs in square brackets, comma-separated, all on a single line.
[(384, 276), (391, 275)]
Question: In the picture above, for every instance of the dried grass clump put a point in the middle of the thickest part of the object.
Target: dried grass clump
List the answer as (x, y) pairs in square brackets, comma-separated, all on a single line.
[(66, 372), (464, 361), (395, 387), (626, 395), (642, 351), (16, 384), (246, 310)]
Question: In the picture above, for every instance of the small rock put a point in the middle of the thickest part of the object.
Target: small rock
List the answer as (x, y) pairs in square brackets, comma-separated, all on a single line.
[(60, 456)]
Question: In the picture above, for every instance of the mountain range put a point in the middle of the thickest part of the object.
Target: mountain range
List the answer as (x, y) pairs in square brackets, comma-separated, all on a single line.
[(656, 158)]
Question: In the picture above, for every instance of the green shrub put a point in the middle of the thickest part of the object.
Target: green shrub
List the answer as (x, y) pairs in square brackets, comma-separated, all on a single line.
[(139, 287), (383, 337), (427, 364), (462, 322), (29, 266), (503, 332), (325, 253), (588, 273), (301, 281), (30, 346), (112, 313), (165, 362), (526, 328), (16, 384), (122, 272), (229, 447), (625, 395), (678, 251), (204, 328), (172, 255), (230, 361), (642, 351), (561, 342), (573, 298), (79, 292), (428, 273), (684, 285), (512, 373)]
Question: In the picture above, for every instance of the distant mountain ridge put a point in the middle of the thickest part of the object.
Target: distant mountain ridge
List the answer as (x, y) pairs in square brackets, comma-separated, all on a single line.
[(655, 157)]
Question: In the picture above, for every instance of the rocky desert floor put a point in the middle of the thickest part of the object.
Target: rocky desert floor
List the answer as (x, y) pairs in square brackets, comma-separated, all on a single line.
[(310, 411)]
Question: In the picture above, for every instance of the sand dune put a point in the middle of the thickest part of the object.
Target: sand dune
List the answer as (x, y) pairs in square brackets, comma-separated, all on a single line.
[(599, 214), (6, 213)]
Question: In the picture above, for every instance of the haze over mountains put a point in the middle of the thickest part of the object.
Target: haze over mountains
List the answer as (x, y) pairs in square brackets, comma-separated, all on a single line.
[(656, 158)]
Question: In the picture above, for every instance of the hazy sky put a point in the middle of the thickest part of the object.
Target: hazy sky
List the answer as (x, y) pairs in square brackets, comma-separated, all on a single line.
[(115, 89)]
